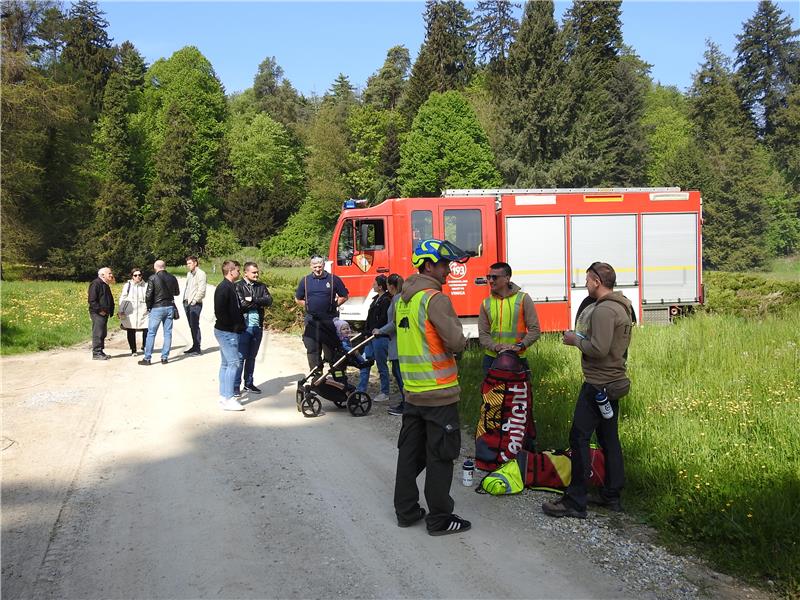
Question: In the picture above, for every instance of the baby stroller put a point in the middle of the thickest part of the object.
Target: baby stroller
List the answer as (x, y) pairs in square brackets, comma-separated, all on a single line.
[(331, 383)]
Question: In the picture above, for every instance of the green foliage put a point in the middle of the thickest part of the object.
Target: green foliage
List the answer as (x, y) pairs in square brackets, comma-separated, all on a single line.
[(669, 133), (767, 57), (446, 148), (533, 101), (275, 94), (187, 81), (369, 130), (784, 139), (385, 87), (734, 210), (307, 232), (750, 296), (173, 225), (446, 60), (221, 242), (495, 28)]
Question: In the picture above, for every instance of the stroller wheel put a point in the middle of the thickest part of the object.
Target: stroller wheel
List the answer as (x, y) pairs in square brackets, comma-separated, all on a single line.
[(311, 406), (359, 403), (300, 396)]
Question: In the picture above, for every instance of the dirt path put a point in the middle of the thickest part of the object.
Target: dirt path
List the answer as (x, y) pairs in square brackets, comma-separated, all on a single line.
[(123, 481)]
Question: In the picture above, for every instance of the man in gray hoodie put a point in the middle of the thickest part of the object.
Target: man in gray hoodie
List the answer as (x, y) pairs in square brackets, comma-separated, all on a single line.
[(602, 334)]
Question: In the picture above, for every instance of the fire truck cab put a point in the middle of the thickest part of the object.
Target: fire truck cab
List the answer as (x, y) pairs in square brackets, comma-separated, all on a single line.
[(651, 236)]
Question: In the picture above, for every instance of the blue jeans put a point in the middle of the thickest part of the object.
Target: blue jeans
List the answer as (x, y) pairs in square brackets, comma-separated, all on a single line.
[(398, 377), (193, 317), (158, 315), (230, 360), (249, 343), (379, 350)]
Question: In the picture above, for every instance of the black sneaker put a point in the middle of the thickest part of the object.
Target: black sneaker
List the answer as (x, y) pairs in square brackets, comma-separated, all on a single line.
[(145, 362), (559, 508), (414, 521), (252, 388), (454, 525), (396, 410), (598, 499), (164, 361), (100, 357)]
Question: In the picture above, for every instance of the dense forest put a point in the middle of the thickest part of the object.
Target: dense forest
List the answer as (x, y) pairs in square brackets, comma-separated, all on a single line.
[(108, 160)]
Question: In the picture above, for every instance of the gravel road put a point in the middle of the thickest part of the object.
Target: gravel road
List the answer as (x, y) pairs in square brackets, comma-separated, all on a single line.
[(123, 481)]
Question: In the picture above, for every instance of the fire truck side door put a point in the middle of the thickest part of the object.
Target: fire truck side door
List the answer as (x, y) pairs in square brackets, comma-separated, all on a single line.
[(472, 229)]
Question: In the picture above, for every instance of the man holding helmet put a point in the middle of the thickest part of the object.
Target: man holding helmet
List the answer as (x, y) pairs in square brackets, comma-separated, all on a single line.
[(429, 335)]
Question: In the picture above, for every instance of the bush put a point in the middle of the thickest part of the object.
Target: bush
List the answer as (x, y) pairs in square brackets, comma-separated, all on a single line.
[(749, 295), (221, 242)]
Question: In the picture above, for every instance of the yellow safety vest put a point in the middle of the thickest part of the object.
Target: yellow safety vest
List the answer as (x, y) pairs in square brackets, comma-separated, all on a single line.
[(506, 326), (424, 363)]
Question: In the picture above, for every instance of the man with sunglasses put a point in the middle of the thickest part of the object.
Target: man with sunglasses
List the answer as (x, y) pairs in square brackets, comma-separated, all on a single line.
[(507, 319), (429, 335), (602, 334)]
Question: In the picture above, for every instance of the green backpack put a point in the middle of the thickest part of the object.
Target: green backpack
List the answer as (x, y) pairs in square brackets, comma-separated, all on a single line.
[(505, 480)]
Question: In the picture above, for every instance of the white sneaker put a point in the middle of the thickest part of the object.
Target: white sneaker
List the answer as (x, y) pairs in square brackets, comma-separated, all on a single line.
[(230, 404), (381, 398)]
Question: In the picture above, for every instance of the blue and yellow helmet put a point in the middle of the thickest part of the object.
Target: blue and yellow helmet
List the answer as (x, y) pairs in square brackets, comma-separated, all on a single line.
[(436, 250)]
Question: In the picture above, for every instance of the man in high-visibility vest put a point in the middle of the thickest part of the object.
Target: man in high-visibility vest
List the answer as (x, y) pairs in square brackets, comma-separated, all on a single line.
[(507, 319), (429, 335)]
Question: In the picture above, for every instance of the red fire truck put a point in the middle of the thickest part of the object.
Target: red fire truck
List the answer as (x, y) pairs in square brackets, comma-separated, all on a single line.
[(651, 236)]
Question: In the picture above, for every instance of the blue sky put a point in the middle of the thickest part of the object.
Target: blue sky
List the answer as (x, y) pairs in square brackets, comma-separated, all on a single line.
[(315, 41)]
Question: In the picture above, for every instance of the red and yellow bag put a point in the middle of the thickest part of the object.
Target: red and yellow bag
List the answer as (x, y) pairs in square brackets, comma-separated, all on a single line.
[(552, 469)]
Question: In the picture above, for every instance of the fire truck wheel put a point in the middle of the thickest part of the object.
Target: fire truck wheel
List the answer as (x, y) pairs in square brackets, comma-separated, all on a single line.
[(359, 404)]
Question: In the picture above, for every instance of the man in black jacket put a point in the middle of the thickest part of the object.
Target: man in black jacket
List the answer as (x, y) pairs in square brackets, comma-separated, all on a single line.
[(227, 328), (254, 297), (101, 306), (162, 288)]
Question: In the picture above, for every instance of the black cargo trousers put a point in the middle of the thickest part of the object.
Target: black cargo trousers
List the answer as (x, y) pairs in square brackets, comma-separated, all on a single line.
[(430, 439), (586, 421)]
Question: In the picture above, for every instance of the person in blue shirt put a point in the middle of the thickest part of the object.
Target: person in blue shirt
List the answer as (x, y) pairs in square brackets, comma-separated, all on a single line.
[(320, 294)]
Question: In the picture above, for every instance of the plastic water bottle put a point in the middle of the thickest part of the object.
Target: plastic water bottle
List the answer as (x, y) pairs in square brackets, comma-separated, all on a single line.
[(603, 404), (466, 472)]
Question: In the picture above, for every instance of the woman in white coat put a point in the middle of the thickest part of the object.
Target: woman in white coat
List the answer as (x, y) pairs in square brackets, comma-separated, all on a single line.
[(133, 314)]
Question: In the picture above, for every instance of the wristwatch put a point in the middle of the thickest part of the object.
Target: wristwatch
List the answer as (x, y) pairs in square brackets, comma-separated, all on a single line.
[(520, 345)]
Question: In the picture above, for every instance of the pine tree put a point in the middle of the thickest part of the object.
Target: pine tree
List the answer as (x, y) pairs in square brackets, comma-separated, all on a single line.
[(495, 28), (276, 95), (532, 101), (88, 52), (785, 136), (385, 87), (768, 62), (734, 209), (446, 60), (173, 227)]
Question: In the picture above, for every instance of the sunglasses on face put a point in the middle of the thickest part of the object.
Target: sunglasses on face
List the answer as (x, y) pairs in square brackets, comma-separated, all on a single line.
[(137, 274), (494, 277)]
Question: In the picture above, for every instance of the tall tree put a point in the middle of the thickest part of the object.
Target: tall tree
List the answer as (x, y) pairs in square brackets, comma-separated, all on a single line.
[(88, 52), (368, 132), (533, 103), (172, 225), (495, 28), (784, 138), (446, 60), (594, 39), (276, 95), (446, 148), (267, 177), (385, 87), (188, 81), (768, 63), (735, 211)]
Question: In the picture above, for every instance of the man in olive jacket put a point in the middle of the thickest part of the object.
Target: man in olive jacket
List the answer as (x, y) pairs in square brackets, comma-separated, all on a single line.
[(101, 307), (602, 334)]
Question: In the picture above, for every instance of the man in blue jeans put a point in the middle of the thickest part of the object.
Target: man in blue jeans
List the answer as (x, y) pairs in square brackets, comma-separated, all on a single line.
[(227, 329), (253, 297), (162, 287)]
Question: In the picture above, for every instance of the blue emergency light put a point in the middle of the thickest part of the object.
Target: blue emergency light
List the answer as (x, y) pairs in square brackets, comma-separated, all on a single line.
[(352, 203)]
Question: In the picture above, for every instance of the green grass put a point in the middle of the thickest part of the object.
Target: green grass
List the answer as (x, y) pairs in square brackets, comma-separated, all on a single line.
[(710, 430), (786, 268), (39, 315)]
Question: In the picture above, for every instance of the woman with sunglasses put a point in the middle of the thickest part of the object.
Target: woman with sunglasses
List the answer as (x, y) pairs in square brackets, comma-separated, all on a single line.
[(132, 311)]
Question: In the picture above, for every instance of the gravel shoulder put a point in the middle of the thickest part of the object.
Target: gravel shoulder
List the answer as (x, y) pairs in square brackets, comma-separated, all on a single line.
[(123, 481)]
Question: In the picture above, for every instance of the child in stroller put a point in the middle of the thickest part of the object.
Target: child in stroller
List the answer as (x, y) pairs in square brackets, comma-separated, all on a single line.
[(331, 383)]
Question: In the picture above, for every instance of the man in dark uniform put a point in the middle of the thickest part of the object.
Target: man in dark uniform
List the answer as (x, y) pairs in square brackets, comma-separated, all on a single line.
[(101, 306), (320, 293)]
